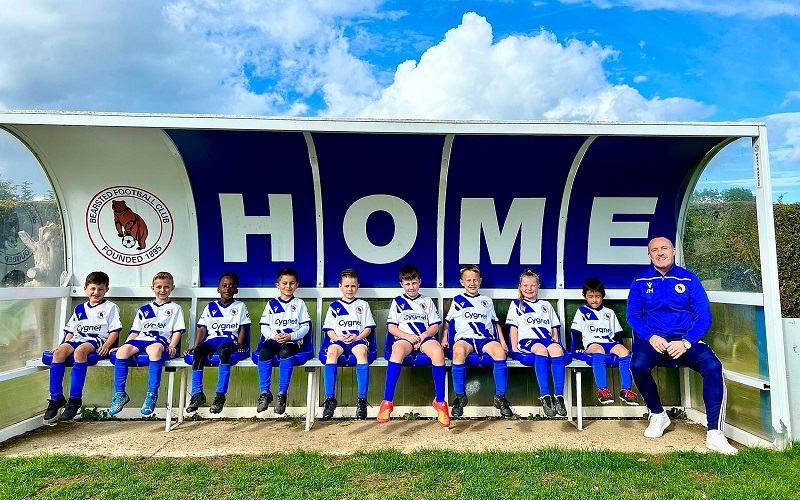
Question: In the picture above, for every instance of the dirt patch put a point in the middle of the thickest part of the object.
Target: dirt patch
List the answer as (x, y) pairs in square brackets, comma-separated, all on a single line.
[(211, 438)]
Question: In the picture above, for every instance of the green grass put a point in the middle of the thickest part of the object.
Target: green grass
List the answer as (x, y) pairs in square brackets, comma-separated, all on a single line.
[(552, 474)]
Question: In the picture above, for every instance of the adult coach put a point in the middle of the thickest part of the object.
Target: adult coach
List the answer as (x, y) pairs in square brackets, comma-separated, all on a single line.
[(669, 313)]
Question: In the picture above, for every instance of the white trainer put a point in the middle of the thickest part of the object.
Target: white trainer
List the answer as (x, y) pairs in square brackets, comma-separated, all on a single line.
[(716, 441), (658, 424)]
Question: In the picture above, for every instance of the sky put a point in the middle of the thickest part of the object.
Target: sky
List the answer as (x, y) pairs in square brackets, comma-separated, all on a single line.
[(585, 60)]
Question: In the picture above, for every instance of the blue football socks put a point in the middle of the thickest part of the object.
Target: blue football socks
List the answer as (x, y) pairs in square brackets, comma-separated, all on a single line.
[(77, 379), (541, 366), (154, 375), (460, 378), (223, 378), (558, 367), (329, 377), (625, 371), (362, 377), (197, 381), (599, 369), (285, 374), (120, 374), (439, 373), (500, 377), (264, 375), (57, 379), (392, 374)]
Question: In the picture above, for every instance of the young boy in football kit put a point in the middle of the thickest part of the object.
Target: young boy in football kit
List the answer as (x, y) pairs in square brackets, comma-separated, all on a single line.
[(414, 322), (347, 325), (284, 326), (596, 329), (93, 327), (156, 330), (229, 336), (477, 329)]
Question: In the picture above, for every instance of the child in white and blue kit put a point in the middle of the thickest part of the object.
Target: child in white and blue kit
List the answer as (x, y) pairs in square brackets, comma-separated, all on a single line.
[(156, 330), (284, 326)]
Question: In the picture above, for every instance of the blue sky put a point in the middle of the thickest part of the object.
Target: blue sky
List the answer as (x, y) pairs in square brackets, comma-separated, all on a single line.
[(641, 60)]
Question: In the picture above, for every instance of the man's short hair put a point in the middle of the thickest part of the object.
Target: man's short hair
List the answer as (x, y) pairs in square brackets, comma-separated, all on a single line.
[(229, 274), (656, 236), (287, 271), (409, 272), (348, 273), (163, 275), (469, 267), (96, 278), (594, 285)]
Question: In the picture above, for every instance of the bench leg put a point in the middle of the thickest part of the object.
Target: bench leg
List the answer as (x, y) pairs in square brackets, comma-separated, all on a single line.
[(170, 384), (312, 397), (579, 389), (182, 396)]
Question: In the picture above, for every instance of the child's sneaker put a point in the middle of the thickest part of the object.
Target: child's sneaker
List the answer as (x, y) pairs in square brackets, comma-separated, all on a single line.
[(72, 408), (560, 407), (330, 407), (219, 402), (118, 402), (629, 397), (457, 409), (501, 403), (658, 424), (280, 406), (547, 405), (361, 408), (604, 396), (149, 405), (716, 441), (385, 411), (198, 399), (263, 401), (53, 411)]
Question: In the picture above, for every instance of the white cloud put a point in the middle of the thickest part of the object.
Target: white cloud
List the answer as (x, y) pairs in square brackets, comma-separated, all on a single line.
[(639, 79), (783, 133), (794, 95), (469, 76), (757, 9), (189, 56)]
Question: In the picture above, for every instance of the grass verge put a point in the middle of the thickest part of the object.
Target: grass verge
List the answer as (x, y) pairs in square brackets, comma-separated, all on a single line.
[(550, 473)]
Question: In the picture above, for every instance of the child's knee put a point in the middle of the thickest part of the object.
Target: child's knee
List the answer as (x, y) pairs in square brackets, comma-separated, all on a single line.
[(155, 352)]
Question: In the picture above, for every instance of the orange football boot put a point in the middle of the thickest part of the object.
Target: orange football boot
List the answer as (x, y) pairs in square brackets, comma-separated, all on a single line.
[(385, 411), (442, 413)]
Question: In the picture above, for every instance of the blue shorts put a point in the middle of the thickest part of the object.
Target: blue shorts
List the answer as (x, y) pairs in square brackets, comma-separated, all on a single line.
[(607, 346), (526, 345), (142, 345), (478, 344), (217, 342), (77, 343), (420, 344), (348, 348)]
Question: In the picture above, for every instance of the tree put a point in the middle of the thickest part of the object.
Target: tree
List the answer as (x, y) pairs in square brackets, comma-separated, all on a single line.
[(25, 191), (707, 196), (738, 194), (7, 190)]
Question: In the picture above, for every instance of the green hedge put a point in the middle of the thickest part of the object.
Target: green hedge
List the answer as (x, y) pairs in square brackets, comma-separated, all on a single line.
[(721, 247), (787, 229)]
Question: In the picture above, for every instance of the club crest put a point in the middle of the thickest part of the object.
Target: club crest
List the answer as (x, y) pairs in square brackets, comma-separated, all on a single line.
[(129, 226)]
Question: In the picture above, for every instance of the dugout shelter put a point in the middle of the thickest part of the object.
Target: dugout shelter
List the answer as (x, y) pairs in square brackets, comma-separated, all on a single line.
[(255, 194)]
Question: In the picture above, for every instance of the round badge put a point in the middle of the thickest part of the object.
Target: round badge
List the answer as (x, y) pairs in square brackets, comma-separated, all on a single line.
[(129, 226), (21, 217), (680, 288)]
